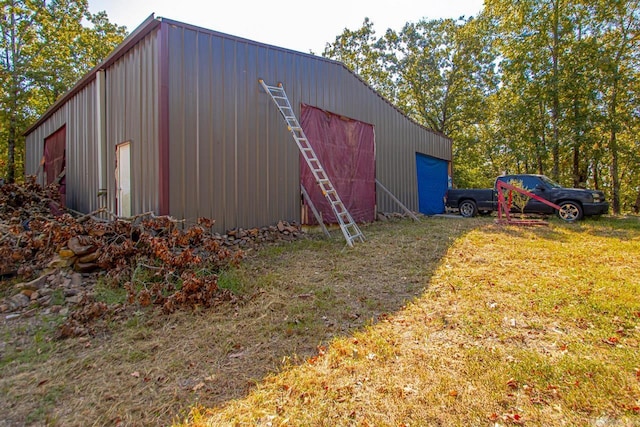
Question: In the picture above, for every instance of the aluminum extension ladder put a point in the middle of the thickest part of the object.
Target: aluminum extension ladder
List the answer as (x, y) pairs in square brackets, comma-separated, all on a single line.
[(348, 226)]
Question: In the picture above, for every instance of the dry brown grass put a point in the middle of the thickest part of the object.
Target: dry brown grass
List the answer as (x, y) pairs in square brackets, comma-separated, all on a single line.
[(515, 326), (150, 370)]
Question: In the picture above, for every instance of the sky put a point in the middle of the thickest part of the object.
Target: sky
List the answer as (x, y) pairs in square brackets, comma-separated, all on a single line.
[(293, 24)]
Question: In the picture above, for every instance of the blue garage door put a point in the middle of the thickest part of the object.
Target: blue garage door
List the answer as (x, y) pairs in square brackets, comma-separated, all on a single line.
[(432, 183)]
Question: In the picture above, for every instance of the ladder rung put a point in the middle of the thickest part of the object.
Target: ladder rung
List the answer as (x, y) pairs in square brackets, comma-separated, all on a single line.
[(349, 228)]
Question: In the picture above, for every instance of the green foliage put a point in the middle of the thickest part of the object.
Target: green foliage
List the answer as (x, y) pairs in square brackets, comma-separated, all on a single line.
[(567, 71), (231, 279), (534, 86), (110, 293), (518, 200), (45, 48), (361, 52)]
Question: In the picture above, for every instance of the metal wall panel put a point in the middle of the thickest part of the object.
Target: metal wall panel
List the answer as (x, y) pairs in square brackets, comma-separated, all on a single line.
[(132, 116), (232, 158), (230, 155), (77, 114), (244, 168), (132, 111)]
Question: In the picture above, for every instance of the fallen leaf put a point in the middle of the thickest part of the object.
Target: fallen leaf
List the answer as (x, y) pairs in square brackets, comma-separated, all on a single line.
[(613, 341), (453, 393)]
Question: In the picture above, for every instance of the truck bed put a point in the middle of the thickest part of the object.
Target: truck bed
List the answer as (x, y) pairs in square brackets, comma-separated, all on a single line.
[(484, 198)]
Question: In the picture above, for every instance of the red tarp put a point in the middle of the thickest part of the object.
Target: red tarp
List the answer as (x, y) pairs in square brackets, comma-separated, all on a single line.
[(346, 150), (54, 159)]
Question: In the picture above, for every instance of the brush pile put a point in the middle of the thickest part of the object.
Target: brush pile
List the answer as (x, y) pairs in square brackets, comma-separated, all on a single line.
[(43, 245)]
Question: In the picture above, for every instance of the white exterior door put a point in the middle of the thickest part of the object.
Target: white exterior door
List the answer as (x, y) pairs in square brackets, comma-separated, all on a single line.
[(123, 179)]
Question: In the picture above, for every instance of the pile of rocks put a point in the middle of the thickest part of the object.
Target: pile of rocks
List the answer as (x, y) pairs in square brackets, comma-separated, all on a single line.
[(53, 292), (254, 237)]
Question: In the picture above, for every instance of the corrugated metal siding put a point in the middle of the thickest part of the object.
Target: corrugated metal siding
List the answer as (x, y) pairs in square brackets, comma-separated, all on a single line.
[(35, 143), (132, 111), (228, 160), (81, 151), (132, 115), (232, 158)]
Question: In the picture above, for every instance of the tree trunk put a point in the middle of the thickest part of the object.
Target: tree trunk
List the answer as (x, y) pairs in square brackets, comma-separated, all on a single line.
[(636, 207), (555, 113), (12, 132), (613, 145), (576, 166), (615, 177), (541, 145), (13, 100), (11, 148), (578, 179)]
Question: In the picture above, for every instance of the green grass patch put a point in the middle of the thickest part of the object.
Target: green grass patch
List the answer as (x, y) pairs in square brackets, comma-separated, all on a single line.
[(232, 279), (57, 297), (539, 326), (110, 293), (36, 349)]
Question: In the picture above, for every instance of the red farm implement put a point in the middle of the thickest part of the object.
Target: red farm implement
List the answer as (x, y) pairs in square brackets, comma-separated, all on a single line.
[(505, 204)]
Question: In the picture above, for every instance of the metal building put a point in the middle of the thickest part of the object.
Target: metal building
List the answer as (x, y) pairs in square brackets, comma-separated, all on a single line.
[(175, 121)]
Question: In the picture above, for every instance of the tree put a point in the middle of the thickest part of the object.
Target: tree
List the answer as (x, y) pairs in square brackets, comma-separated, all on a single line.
[(620, 41), (362, 53), (438, 72), (577, 60), (544, 86), (44, 49)]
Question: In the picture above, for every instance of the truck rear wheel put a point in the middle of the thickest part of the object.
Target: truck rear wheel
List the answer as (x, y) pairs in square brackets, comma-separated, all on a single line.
[(570, 211), (468, 208)]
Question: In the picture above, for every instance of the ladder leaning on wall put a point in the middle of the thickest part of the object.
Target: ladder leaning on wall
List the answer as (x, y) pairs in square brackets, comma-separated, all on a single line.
[(348, 226)]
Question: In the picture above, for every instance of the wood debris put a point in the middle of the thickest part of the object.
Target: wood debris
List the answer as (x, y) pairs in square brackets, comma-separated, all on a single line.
[(39, 239)]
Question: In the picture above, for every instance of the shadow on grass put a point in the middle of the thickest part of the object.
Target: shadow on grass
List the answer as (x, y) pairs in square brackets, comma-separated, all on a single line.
[(299, 297), (291, 300)]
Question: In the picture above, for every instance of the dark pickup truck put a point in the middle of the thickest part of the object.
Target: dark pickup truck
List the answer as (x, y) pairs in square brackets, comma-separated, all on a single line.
[(575, 203)]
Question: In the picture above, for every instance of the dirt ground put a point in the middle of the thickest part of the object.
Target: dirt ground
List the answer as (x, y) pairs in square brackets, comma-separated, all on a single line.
[(149, 368)]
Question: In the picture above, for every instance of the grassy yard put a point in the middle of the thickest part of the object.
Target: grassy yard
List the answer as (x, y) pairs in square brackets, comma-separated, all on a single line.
[(533, 326), (447, 322)]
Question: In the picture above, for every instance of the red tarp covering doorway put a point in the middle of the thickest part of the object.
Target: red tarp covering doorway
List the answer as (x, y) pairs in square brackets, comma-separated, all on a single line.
[(54, 160), (346, 150)]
